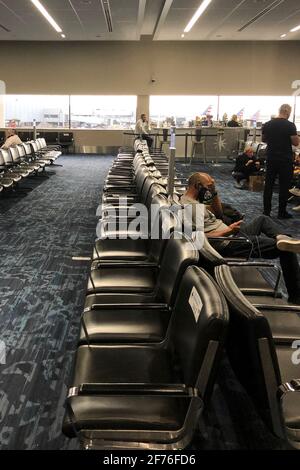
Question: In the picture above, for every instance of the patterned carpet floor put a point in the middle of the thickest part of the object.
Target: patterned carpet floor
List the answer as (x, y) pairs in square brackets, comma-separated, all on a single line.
[(42, 295)]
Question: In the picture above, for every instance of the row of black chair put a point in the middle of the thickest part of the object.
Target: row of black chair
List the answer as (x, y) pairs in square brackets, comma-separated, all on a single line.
[(23, 161), (138, 382), (64, 139), (154, 325)]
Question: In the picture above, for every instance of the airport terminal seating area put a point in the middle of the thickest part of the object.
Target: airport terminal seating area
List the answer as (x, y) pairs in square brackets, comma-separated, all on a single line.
[(23, 161), (159, 314)]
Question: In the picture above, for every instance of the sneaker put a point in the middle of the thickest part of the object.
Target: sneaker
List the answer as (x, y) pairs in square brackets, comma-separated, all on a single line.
[(286, 215), (285, 243), (295, 192), (296, 209)]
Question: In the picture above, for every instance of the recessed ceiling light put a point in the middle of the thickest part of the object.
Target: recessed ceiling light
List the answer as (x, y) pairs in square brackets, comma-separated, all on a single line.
[(197, 15), (63, 36), (182, 35), (295, 29), (283, 36), (46, 15)]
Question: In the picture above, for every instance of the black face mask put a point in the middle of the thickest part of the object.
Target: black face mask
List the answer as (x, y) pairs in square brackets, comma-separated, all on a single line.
[(205, 195)]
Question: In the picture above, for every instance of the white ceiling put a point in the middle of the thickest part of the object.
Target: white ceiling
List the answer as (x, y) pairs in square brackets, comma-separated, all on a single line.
[(83, 20)]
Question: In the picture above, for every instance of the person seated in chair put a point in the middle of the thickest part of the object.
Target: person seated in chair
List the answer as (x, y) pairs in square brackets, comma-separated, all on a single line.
[(246, 165), (268, 240), (233, 122), (142, 128), (12, 139)]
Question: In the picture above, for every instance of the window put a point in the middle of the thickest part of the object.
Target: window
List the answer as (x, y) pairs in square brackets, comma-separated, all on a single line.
[(48, 111), (103, 112), (253, 108), (181, 110)]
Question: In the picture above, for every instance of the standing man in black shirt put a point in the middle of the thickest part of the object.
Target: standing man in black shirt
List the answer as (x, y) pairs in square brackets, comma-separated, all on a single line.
[(280, 134)]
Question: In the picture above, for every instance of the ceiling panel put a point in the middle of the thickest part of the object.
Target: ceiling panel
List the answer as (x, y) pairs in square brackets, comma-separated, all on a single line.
[(223, 19), (83, 20)]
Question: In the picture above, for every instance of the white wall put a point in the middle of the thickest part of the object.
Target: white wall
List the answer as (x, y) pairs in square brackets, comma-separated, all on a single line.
[(217, 68)]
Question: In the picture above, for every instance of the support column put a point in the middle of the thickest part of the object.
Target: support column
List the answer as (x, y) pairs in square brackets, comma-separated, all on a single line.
[(143, 106)]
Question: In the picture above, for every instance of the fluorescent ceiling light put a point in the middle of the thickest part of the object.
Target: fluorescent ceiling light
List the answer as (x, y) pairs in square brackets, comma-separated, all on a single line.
[(63, 36), (197, 15), (283, 36), (295, 29), (47, 15)]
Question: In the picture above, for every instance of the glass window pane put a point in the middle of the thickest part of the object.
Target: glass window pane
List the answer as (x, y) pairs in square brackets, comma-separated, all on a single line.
[(103, 112), (49, 111), (181, 110), (253, 108)]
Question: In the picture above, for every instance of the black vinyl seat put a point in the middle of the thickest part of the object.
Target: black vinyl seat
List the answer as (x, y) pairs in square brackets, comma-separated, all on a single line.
[(17, 166), (178, 255), (52, 151), (149, 396), (45, 147), (142, 278), (247, 274), (47, 156), (32, 157), (260, 347), (105, 312), (114, 324), (25, 162), (140, 249), (8, 173), (116, 221), (12, 169), (6, 182)]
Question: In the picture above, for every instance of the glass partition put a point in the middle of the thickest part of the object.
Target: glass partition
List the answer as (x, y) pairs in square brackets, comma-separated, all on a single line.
[(48, 111), (103, 112), (181, 111)]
